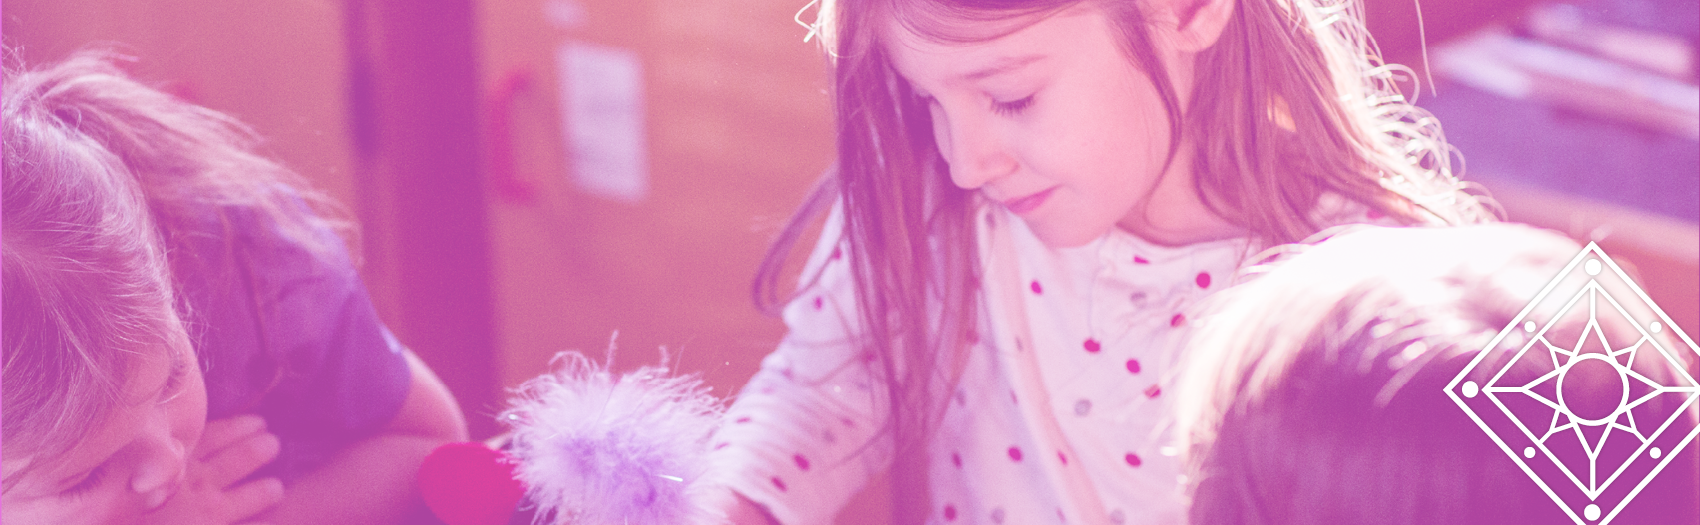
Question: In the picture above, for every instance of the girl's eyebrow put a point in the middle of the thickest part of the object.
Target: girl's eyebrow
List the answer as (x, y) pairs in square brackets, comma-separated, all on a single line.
[(1003, 65), (179, 368)]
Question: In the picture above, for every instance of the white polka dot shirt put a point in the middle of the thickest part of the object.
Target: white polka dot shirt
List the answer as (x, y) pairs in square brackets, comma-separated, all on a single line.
[(1059, 416)]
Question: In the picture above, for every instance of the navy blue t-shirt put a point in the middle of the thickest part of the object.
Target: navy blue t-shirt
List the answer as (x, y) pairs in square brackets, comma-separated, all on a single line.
[(288, 334)]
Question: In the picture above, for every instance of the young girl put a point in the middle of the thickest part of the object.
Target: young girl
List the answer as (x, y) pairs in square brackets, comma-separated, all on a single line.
[(1029, 197), (1326, 401), (186, 340)]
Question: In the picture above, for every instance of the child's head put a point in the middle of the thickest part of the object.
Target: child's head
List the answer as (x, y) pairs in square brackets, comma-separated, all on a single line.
[(103, 394), (1179, 120), (1316, 392)]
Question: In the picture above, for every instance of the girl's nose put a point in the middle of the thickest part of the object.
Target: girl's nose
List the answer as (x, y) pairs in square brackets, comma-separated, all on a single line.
[(161, 469), (976, 155)]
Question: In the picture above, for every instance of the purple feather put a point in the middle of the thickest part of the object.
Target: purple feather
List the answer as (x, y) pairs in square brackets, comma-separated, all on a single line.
[(594, 448)]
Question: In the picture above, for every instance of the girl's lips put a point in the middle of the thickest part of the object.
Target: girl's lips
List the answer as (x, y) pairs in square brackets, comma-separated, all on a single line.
[(1022, 205)]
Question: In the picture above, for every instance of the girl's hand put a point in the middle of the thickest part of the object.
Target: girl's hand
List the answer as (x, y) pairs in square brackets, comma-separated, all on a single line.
[(212, 492)]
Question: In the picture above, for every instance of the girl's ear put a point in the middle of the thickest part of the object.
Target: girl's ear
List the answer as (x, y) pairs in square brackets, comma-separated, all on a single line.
[(1198, 23)]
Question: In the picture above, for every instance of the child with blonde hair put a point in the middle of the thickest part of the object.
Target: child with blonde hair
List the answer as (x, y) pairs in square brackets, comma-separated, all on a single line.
[(1029, 198), (185, 338)]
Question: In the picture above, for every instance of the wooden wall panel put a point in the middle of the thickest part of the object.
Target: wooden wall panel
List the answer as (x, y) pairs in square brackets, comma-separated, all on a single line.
[(278, 66), (737, 129)]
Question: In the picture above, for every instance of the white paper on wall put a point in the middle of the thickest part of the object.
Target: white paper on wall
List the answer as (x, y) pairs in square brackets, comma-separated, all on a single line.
[(603, 119)]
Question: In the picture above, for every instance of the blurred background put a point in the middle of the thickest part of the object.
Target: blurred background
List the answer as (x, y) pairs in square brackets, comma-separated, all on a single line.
[(534, 176)]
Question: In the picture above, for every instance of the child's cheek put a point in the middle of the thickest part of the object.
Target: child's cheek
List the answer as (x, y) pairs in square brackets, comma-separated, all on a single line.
[(189, 410)]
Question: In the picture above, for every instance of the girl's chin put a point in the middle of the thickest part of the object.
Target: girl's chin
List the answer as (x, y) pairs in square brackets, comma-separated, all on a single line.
[(1059, 236)]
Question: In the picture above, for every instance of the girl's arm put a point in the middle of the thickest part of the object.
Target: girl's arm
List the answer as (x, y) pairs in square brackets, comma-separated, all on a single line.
[(803, 436), (372, 480)]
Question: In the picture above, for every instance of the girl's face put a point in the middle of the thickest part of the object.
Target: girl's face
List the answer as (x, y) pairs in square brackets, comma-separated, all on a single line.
[(129, 464), (1056, 123)]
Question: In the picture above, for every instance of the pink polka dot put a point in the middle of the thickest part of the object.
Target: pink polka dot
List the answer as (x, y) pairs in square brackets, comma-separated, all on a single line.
[(956, 459), (949, 512), (1153, 391), (1132, 459), (837, 253), (1036, 288), (742, 420), (1203, 279), (1177, 320), (1140, 260), (1012, 398), (1374, 215), (1133, 366), (1015, 453), (802, 462), (847, 422), (721, 445), (1063, 457), (1092, 346), (779, 483), (819, 303)]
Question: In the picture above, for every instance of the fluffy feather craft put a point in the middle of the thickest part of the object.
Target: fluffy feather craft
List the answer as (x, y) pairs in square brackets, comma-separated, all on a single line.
[(596, 449)]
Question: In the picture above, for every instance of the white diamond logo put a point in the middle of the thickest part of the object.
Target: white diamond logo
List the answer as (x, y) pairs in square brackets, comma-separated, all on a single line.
[(1569, 397)]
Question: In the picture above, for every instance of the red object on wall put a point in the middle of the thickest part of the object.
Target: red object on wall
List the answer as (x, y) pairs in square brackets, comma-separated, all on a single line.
[(498, 106)]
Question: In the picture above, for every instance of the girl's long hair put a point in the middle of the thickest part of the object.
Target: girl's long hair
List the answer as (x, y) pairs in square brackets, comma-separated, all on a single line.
[(82, 141), (1291, 103)]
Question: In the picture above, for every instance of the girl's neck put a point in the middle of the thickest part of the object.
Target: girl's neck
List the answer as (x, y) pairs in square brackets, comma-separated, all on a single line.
[(1174, 215)]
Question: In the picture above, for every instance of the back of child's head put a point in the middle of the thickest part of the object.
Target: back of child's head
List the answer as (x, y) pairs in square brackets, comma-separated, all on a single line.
[(86, 282), (191, 162), (1315, 393)]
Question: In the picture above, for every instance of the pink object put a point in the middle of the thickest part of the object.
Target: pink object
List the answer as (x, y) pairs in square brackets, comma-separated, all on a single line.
[(469, 484)]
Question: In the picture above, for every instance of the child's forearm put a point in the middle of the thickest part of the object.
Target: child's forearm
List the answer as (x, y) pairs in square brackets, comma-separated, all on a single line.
[(375, 480), (371, 481)]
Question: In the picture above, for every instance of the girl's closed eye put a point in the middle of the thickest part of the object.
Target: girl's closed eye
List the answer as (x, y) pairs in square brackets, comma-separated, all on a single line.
[(89, 482), (1012, 108)]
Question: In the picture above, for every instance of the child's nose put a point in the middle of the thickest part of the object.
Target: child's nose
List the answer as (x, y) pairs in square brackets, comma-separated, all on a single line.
[(976, 155), (161, 469)]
